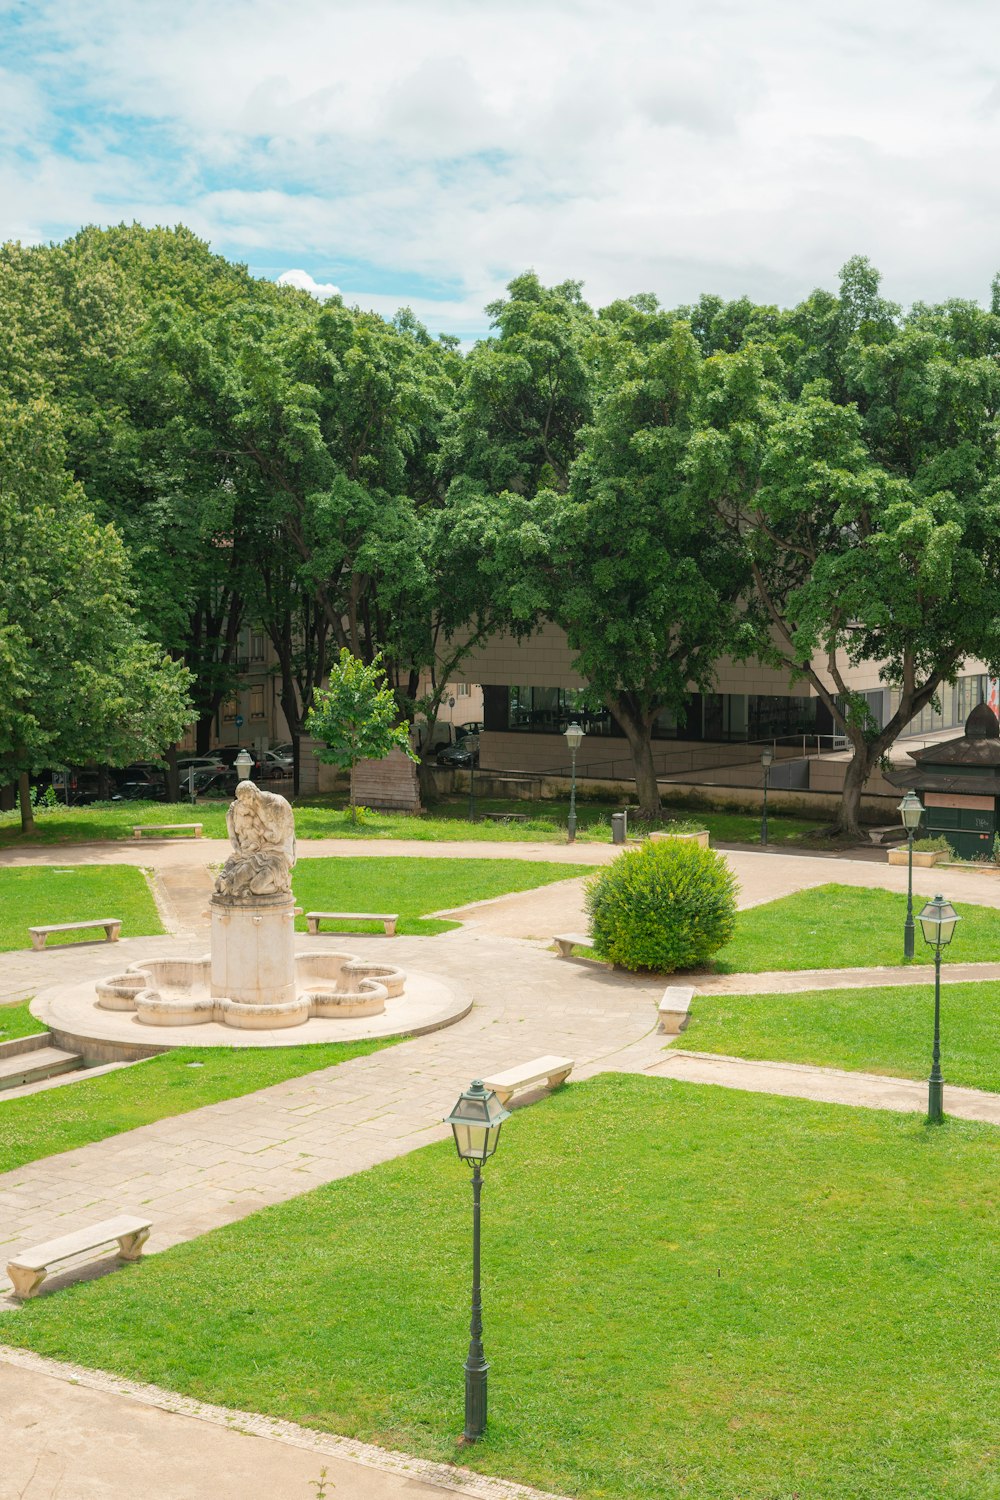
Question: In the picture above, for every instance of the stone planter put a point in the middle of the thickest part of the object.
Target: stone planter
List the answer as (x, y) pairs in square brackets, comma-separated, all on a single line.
[(923, 859), (701, 837)]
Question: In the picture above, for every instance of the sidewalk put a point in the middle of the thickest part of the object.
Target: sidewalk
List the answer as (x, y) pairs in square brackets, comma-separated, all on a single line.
[(79, 1434), (827, 1085)]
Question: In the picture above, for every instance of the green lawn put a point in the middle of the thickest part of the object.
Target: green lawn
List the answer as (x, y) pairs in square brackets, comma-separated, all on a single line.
[(327, 818), (884, 1030), (33, 896), (91, 1109), (843, 927), (689, 1292), (413, 887), (16, 1021)]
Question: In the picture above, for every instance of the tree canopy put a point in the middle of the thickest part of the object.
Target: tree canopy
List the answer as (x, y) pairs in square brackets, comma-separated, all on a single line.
[(813, 486)]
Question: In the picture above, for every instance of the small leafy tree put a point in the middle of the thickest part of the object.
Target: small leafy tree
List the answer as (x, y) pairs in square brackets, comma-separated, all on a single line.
[(355, 717)]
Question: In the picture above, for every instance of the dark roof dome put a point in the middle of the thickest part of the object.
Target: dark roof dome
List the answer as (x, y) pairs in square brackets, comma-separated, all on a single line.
[(982, 724)]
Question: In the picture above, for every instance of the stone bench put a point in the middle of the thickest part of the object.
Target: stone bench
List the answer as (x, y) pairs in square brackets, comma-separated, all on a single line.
[(138, 829), (570, 940), (388, 919), (29, 1269), (550, 1070), (112, 930), (506, 817), (673, 1010)]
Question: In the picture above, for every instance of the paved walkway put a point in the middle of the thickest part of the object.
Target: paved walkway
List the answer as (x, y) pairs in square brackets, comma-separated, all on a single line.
[(195, 1171), (68, 1433), (213, 1165), (827, 1085)]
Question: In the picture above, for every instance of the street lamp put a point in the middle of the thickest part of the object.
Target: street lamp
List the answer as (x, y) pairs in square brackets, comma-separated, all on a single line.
[(766, 760), (243, 764), (938, 920), (911, 811), (574, 734), (475, 1122)]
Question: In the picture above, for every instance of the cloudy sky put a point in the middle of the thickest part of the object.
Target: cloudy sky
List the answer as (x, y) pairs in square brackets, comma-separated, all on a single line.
[(424, 151)]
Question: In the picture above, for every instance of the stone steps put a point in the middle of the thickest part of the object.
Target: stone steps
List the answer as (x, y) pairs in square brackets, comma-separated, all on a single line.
[(31, 1059)]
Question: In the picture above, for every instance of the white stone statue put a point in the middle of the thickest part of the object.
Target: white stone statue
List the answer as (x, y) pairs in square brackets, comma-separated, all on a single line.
[(262, 832)]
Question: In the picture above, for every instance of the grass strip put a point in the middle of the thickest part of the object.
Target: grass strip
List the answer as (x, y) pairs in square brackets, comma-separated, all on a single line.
[(17, 1021), (413, 887), (91, 1109), (689, 1292), (845, 927), (884, 1030), (36, 896), (449, 821)]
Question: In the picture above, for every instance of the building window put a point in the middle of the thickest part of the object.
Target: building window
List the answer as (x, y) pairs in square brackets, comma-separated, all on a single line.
[(256, 645), (229, 710), (257, 702), (461, 689), (542, 710)]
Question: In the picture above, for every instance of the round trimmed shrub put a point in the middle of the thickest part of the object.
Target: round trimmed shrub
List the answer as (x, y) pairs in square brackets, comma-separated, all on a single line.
[(669, 905)]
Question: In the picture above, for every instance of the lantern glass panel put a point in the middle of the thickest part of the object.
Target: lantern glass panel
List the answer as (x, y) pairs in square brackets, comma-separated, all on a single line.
[(911, 811), (938, 920)]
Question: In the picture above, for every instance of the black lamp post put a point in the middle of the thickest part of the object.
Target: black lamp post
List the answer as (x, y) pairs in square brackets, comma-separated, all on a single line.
[(574, 734), (910, 811), (766, 760), (938, 920), (473, 752), (476, 1121)]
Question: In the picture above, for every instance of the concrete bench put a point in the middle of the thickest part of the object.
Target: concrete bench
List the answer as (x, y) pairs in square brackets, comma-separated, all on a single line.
[(570, 940), (388, 919), (138, 829), (29, 1269), (506, 817), (673, 1010), (550, 1070), (112, 930)]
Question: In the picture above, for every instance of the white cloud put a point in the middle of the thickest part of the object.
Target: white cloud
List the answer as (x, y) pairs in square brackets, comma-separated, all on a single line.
[(301, 279), (672, 146)]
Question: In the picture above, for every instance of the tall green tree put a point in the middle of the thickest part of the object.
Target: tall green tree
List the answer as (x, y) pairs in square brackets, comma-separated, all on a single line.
[(79, 679), (867, 500), (631, 565)]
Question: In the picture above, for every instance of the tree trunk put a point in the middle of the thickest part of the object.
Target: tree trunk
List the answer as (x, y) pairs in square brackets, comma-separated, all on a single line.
[(859, 768), (103, 784), (203, 732), (24, 798), (173, 776), (638, 732)]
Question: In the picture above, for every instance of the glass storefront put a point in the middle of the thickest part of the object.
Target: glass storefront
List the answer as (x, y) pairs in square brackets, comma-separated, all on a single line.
[(712, 716)]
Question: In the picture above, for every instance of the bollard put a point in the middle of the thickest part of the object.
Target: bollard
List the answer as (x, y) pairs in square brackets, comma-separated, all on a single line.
[(618, 828)]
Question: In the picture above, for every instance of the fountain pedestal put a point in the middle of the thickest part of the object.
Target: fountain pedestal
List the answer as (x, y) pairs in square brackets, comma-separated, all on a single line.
[(253, 949)]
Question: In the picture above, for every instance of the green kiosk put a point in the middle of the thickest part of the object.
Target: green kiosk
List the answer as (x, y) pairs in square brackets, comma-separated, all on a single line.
[(958, 781)]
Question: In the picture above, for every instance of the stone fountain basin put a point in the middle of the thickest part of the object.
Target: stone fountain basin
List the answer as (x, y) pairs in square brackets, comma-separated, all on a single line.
[(177, 992)]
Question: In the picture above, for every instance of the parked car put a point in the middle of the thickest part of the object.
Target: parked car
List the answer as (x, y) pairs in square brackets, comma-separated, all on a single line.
[(200, 763), (227, 754), (462, 755), (274, 764), (141, 791)]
